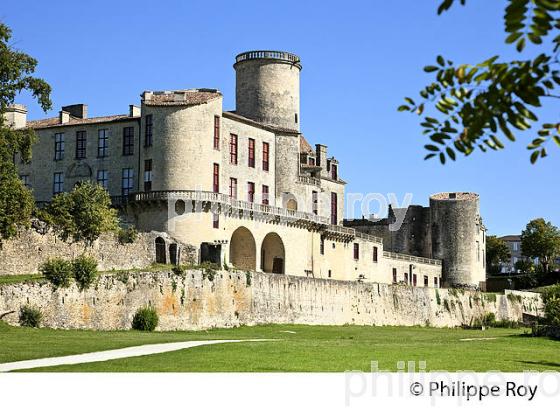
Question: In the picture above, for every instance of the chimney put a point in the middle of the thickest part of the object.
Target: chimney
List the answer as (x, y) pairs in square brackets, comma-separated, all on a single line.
[(63, 117), (16, 115), (321, 157), (133, 111), (76, 110)]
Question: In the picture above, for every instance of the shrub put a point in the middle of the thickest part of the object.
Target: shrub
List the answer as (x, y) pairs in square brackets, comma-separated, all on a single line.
[(84, 269), (128, 235), (145, 319), (551, 292), (178, 270), (438, 298), (30, 316), (552, 311), (249, 278), (57, 271)]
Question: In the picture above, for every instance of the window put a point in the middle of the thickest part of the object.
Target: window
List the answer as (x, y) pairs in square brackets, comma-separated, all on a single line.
[(233, 188), (356, 251), (516, 246), (102, 143), (216, 132), (322, 246), (334, 172), (375, 253), (265, 156), (406, 277), (148, 175), (330, 273), (251, 153), (435, 282), (295, 117), (233, 149), (251, 191), (216, 178), (394, 275), (216, 221), (128, 141), (334, 209), (103, 178), (25, 180), (265, 195), (58, 183), (148, 136), (414, 280), (426, 281), (127, 181), (58, 146), (311, 161), (314, 201), (81, 144)]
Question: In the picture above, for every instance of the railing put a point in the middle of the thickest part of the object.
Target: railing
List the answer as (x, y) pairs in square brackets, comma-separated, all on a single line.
[(410, 258), (259, 54), (227, 200), (368, 237), (309, 180)]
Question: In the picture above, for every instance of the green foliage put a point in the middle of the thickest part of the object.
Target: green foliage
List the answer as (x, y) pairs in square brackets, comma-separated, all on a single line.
[(477, 104), (127, 235), (58, 272), (552, 311), (514, 298), (540, 239), (446, 305), (30, 316), (490, 297), (145, 319), (438, 298), (178, 270), (82, 214), (84, 269), (551, 292), (248, 278), (497, 251), (524, 266), (16, 68)]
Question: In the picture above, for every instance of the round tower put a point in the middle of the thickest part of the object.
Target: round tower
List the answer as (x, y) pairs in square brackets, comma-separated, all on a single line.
[(267, 87), (458, 237)]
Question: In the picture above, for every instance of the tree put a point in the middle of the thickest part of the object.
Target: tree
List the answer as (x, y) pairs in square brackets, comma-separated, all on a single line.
[(16, 69), (82, 214), (541, 239), (478, 104), (497, 252)]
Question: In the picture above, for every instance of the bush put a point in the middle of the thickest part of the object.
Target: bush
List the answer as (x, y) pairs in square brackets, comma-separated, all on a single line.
[(145, 319), (552, 311), (57, 271), (128, 235), (30, 316), (178, 270), (84, 269)]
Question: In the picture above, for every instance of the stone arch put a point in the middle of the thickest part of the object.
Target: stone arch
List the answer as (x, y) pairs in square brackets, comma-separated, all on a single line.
[(161, 250), (273, 254), (243, 249)]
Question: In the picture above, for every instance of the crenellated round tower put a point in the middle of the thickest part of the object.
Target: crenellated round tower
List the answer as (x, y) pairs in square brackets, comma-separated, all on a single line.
[(458, 238), (267, 87)]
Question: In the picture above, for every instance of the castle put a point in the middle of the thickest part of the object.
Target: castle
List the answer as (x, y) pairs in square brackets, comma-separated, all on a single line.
[(245, 187)]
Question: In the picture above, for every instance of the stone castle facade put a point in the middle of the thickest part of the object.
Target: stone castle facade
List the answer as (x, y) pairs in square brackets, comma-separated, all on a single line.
[(245, 188)]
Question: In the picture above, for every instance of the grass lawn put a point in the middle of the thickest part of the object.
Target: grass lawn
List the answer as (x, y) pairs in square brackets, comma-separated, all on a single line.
[(310, 348)]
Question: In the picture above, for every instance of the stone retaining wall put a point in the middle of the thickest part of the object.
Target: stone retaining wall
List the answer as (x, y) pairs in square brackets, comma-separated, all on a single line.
[(236, 298)]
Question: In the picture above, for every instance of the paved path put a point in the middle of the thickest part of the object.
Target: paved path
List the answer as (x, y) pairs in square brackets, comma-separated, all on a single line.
[(114, 354)]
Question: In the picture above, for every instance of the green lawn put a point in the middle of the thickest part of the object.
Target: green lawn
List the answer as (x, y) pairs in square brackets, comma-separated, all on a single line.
[(310, 348)]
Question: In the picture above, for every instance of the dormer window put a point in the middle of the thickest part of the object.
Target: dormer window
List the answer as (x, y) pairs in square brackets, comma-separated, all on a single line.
[(334, 171)]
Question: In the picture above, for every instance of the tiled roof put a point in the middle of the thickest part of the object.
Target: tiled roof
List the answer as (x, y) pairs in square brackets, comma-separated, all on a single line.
[(55, 121), (304, 146), (180, 97), (511, 238)]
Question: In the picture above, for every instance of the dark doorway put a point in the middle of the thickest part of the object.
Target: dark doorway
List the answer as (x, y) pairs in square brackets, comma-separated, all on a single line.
[(278, 265), (210, 252), (161, 251), (173, 254)]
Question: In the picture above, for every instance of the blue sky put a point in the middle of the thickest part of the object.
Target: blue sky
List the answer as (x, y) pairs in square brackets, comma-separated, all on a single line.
[(360, 58)]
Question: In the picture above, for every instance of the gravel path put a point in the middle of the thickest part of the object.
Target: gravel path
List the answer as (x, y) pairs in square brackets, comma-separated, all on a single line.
[(114, 354)]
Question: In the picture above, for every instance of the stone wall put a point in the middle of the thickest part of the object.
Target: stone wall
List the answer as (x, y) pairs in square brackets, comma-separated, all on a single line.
[(237, 298), (24, 254)]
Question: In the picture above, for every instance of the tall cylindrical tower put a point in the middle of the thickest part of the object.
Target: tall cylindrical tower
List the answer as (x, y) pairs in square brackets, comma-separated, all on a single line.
[(267, 87), (455, 230)]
